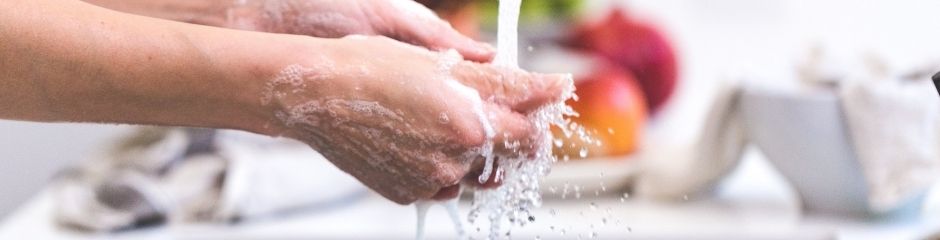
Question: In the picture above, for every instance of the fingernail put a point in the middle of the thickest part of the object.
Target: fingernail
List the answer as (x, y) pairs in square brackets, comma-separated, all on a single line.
[(485, 49), (556, 81)]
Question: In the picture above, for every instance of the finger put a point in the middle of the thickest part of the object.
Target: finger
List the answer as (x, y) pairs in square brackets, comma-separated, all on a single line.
[(446, 37), (521, 91), (447, 193), (428, 30), (514, 132), (542, 89)]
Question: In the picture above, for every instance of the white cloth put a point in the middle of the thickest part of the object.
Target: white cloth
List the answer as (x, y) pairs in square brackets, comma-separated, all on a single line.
[(180, 175), (893, 126), (704, 164)]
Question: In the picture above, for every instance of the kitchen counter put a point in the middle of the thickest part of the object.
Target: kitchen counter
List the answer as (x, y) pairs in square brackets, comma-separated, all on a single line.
[(753, 204)]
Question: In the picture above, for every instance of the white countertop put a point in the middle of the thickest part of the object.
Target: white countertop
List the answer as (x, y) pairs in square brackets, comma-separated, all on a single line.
[(753, 204)]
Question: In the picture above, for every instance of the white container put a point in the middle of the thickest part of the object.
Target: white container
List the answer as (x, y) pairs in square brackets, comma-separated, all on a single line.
[(804, 134)]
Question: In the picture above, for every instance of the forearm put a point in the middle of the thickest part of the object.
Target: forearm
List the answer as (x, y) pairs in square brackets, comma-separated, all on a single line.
[(70, 61), (205, 12)]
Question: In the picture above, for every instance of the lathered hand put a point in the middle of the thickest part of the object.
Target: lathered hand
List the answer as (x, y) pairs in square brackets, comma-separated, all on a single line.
[(405, 121)]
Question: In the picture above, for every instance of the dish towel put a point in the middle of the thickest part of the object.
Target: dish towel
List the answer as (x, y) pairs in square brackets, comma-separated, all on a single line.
[(702, 165), (180, 175), (893, 126)]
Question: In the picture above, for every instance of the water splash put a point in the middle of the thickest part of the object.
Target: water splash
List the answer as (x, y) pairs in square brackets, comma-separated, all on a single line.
[(519, 194), (450, 206)]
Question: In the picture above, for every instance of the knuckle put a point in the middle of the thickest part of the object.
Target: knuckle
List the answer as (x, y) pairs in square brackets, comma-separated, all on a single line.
[(448, 175), (446, 171), (470, 133)]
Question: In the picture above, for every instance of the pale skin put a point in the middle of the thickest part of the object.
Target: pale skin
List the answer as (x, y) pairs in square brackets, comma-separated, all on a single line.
[(71, 61)]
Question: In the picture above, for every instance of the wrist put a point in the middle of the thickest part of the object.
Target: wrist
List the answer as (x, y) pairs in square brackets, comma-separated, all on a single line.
[(252, 66)]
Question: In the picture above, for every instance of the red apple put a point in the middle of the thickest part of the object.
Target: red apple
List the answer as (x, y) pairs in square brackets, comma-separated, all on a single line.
[(636, 46)]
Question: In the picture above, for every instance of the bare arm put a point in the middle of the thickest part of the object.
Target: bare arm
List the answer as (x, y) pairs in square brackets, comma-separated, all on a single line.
[(205, 12), (71, 61), (404, 20), (403, 120)]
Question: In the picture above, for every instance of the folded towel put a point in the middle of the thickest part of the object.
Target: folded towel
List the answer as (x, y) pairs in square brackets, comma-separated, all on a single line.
[(181, 175), (893, 126), (701, 166)]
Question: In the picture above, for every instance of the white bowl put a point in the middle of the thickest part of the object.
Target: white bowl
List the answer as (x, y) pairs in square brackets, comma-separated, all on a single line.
[(804, 134)]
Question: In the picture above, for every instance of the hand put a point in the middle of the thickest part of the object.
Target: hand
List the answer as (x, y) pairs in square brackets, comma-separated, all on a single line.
[(404, 20), (403, 120)]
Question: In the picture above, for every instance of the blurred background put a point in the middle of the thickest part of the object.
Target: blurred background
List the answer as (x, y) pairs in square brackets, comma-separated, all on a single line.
[(718, 119)]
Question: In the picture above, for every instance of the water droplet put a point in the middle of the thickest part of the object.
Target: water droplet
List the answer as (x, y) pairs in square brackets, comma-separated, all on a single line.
[(530, 48), (537, 237), (552, 212), (558, 142), (593, 235), (593, 206), (685, 197), (583, 153), (610, 130), (443, 118), (604, 221), (626, 195)]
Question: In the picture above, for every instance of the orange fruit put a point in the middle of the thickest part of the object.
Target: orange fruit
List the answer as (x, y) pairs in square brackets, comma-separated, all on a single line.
[(612, 109)]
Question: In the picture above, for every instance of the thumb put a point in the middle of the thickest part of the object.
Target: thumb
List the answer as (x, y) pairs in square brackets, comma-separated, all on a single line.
[(520, 90), (443, 37)]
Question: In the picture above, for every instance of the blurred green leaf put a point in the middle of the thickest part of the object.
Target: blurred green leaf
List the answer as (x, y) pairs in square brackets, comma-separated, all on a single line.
[(534, 11)]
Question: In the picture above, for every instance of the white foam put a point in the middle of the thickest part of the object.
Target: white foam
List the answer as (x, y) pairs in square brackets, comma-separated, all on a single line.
[(489, 132)]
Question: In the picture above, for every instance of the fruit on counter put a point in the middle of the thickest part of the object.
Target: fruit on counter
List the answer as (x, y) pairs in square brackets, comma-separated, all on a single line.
[(636, 46), (612, 110)]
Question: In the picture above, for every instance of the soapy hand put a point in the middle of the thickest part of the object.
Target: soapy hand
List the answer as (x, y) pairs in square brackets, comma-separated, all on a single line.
[(404, 20), (405, 121)]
